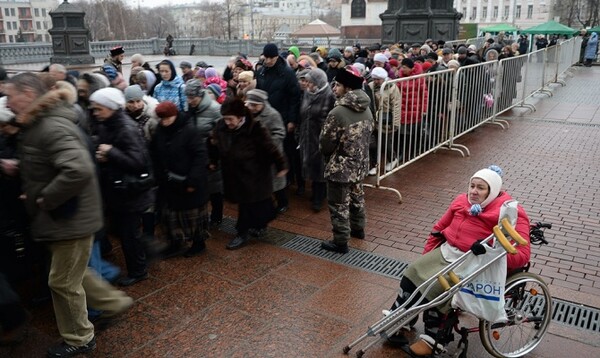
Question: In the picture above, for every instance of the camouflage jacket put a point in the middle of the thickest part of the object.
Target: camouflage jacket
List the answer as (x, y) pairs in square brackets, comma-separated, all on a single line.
[(344, 140)]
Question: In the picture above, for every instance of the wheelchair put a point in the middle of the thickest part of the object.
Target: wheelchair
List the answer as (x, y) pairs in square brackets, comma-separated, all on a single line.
[(528, 305)]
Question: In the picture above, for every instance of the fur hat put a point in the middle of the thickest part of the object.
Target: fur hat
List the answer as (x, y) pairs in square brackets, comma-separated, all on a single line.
[(493, 177), (233, 107), (109, 97), (379, 73), (257, 96), (270, 50), (117, 50), (166, 109), (246, 76), (348, 79), (133, 93)]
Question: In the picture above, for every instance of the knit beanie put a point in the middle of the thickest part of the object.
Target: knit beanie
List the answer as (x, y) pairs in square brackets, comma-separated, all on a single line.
[(211, 72), (335, 54), (492, 176), (133, 93), (109, 97), (379, 57), (379, 73), (215, 89), (166, 109), (295, 51), (270, 50), (194, 88)]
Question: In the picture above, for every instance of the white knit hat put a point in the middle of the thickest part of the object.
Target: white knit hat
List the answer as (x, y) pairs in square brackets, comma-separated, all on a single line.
[(5, 114), (379, 57), (109, 97), (379, 73), (492, 177)]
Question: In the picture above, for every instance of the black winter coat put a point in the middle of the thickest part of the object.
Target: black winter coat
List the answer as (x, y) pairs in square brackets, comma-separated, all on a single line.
[(246, 156), (178, 149), (129, 155), (281, 84)]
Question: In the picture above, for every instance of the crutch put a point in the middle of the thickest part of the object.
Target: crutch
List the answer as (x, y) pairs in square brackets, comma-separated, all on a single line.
[(392, 323)]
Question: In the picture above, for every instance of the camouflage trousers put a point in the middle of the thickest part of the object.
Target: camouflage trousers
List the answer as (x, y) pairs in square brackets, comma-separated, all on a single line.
[(347, 209)]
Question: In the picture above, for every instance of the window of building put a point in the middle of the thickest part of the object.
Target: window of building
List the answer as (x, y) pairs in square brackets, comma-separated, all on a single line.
[(518, 12), (22, 12), (47, 38), (36, 12), (8, 25), (38, 25), (358, 9), (11, 38), (529, 11), (464, 11), (45, 25), (506, 11), (495, 14), (474, 12), (44, 12), (12, 12), (6, 12), (484, 12)]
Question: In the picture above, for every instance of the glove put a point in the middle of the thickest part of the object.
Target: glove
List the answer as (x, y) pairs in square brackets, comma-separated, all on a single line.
[(477, 248)]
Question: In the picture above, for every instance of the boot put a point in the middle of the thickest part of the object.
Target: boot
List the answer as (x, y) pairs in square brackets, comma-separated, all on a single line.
[(332, 246), (237, 242), (198, 247)]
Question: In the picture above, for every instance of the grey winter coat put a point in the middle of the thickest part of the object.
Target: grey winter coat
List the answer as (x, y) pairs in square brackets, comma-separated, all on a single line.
[(271, 119), (205, 118), (56, 166), (345, 138)]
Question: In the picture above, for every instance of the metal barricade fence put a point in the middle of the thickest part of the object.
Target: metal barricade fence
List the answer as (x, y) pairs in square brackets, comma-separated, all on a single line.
[(551, 65)]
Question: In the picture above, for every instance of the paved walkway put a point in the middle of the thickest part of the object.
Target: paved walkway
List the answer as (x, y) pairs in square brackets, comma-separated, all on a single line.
[(266, 301)]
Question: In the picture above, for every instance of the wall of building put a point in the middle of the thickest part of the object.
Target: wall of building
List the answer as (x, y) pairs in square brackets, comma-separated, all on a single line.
[(32, 18)]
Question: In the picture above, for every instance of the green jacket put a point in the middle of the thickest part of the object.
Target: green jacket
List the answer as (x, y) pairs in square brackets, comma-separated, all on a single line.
[(344, 140), (56, 166)]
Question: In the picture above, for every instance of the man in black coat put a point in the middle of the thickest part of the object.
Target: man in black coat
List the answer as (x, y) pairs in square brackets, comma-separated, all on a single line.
[(280, 82)]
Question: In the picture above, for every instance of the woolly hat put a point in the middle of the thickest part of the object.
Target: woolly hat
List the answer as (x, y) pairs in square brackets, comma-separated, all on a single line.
[(109, 97), (270, 50), (359, 67), (233, 107), (5, 114), (133, 93), (447, 51), (137, 58), (257, 96), (348, 79), (302, 73), (492, 176), (201, 72), (294, 50), (334, 54), (379, 73), (215, 89), (379, 57), (210, 72), (183, 64), (166, 109), (453, 64), (394, 62), (246, 76), (317, 76), (472, 48), (193, 88), (117, 50), (462, 51)]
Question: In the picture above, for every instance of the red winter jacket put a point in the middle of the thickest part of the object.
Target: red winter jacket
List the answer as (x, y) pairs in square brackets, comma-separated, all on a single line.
[(462, 229), (414, 95)]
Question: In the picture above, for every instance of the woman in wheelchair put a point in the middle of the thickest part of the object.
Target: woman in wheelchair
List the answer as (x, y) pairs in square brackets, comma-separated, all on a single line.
[(470, 217)]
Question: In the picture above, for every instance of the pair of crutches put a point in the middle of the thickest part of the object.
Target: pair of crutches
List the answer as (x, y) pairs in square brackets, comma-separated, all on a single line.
[(401, 316)]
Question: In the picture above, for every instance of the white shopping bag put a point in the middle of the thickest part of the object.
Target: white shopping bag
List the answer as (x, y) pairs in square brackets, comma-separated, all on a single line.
[(484, 295)]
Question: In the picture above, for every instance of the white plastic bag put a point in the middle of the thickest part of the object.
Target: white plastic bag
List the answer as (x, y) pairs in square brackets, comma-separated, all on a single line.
[(484, 295)]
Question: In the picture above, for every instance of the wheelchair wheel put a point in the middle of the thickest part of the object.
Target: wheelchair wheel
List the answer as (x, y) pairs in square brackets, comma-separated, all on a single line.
[(529, 310)]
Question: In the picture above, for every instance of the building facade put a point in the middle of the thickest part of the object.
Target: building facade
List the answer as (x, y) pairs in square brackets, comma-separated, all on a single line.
[(25, 21)]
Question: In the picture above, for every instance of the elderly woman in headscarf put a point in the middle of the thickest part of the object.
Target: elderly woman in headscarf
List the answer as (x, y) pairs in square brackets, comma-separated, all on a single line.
[(147, 81), (317, 101)]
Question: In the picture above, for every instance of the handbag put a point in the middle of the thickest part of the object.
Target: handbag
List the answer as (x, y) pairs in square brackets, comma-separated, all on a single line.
[(484, 295), (133, 183)]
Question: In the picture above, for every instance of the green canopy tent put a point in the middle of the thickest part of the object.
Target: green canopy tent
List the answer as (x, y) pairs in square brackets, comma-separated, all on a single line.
[(499, 28), (550, 28), (594, 29)]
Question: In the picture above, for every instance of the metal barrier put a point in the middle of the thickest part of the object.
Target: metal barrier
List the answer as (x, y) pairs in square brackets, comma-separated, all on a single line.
[(423, 113)]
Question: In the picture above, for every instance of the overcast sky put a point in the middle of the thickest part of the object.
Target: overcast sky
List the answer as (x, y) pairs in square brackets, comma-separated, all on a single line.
[(153, 3)]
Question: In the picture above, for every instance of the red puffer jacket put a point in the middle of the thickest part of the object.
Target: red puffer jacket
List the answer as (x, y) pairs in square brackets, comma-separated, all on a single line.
[(414, 96), (461, 229)]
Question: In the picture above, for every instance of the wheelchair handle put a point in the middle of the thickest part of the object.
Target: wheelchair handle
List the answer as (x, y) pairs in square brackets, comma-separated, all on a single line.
[(541, 225)]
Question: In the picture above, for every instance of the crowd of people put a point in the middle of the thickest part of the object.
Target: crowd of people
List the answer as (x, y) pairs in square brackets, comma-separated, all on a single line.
[(85, 155)]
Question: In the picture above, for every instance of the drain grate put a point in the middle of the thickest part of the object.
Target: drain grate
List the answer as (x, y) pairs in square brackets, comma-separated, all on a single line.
[(564, 312)]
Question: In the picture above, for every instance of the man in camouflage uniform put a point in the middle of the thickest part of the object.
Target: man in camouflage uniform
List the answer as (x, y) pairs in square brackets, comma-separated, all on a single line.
[(344, 143)]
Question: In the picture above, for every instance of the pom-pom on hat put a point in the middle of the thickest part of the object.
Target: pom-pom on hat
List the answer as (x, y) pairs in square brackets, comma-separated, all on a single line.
[(493, 177), (166, 109), (109, 97), (117, 50), (348, 79), (233, 107)]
